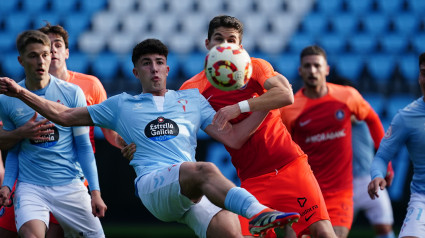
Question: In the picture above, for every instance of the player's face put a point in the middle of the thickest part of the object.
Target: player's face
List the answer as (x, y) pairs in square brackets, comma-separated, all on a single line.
[(59, 53), (422, 78), (152, 71), (313, 70), (223, 35), (36, 61)]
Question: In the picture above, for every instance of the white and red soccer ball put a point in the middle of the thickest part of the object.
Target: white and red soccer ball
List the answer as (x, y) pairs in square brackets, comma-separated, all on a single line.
[(228, 66)]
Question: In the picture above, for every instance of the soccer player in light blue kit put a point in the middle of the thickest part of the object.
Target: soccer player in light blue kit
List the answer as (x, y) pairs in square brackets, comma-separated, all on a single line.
[(50, 173), (163, 124), (378, 211), (407, 128)]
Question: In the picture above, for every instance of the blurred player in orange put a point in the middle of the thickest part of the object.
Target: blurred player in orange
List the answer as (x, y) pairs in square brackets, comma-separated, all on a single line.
[(270, 165), (320, 122), (94, 93)]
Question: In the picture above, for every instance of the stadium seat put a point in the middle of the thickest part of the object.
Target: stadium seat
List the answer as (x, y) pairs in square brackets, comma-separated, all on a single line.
[(350, 66), (328, 6), (394, 43), (406, 23), (106, 22), (31, 6), (63, 7), (7, 43), (392, 7), (376, 101), (180, 43), (417, 41), (181, 6), (76, 22), (315, 24), (408, 68), (344, 23), (272, 43), (299, 41), (210, 8), (375, 24), (41, 18), (149, 6), (254, 23), (92, 6), (122, 7), (381, 67), (8, 6), (332, 43), (192, 64), (284, 24), (397, 102), (299, 7), (11, 67), (287, 64), (237, 7), (16, 22), (105, 66), (362, 43), (120, 43), (134, 22), (269, 7), (192, 23), (359, 7), (91, 42), (78, 62), (164, 24), (416, 6), (126, 66)]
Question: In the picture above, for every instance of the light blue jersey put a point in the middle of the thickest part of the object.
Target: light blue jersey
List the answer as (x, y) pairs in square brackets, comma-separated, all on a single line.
[(48, 163), (407, 127), (162, 137), (363, 149)]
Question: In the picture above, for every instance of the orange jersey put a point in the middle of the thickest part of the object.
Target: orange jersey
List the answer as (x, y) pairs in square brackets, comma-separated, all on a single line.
[(322, 128), (93, 90), (271, 146)]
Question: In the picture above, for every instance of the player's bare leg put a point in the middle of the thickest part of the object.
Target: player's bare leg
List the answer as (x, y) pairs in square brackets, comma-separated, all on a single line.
[(224, 224), (54, 231), (33, 228), (341, 231)]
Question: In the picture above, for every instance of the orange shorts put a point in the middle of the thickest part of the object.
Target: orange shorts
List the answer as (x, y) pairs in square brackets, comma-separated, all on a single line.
[(7, 216), (340, 207), (293, 188)]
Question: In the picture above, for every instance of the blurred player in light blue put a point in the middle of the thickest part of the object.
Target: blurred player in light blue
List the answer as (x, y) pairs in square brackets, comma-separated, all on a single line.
[(378, 211), (50, 173), (407, 128), (163, 124)]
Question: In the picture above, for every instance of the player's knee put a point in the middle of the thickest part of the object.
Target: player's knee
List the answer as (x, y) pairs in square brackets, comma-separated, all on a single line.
[(207, 169), (383, 229)]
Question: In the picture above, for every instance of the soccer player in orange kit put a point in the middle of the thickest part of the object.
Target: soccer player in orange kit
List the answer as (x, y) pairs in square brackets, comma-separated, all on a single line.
[(270, 165), (320, 122)]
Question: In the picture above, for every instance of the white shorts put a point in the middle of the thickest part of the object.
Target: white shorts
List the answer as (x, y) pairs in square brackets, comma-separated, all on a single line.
[(378, 211), (70, 204), (414, 223), (160, 193)]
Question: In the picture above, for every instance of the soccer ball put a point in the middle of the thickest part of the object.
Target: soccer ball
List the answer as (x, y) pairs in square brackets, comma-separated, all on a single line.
[(228, 66)]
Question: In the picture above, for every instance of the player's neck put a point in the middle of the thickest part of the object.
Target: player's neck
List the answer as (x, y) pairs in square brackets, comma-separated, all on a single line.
[(37, 84), (61, 73), (316, 91)]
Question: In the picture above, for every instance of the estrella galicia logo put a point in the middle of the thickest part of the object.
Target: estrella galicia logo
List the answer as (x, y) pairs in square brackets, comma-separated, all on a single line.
[(52, 139), (340, 114), (161, 129)]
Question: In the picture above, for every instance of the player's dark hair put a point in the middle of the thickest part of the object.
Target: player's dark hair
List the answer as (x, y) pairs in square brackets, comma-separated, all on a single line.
[(57, 30), (421, 59), (30, 37), (313, 50), (227, 22), (149, 46)]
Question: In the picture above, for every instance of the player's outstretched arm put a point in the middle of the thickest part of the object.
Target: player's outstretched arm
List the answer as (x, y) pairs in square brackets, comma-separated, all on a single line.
[(53, 111), (236, 135), (32, 129)]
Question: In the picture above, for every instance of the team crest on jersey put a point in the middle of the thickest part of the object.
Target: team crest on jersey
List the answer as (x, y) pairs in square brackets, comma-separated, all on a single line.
[(52, 139), (388, 133), (161, 129), (340, 114)]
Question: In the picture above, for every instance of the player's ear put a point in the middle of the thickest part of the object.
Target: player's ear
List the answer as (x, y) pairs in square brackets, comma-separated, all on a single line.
[(20, 60), (135, 72)]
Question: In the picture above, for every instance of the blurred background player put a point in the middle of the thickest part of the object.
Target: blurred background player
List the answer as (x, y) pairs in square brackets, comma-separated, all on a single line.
[(169, 120), (320, 122), (407, 128), (49, 172), (269, 159), (94, 93), (379, 211)]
